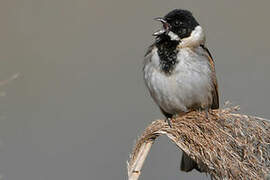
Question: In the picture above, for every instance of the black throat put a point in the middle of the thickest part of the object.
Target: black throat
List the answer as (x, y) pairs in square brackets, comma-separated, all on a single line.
[(167, 51)]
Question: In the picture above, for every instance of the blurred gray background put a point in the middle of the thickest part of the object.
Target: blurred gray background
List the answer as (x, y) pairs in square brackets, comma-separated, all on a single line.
[(79, 102)]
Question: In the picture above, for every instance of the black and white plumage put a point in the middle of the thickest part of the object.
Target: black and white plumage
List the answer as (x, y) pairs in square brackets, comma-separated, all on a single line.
[(179, 70)]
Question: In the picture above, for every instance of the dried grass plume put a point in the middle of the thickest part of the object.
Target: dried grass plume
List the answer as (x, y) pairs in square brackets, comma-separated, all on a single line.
[(226, 145)]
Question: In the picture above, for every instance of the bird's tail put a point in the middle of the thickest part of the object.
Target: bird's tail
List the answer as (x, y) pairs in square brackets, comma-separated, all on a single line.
[(187, 164)]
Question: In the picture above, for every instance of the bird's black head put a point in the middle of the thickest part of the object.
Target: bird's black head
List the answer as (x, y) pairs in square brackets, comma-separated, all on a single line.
[(177, 24)]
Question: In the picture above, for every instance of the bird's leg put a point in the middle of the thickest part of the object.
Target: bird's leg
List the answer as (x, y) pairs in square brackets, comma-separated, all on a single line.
[(168, 117), (169, 121), (200, 110), (206, 112)]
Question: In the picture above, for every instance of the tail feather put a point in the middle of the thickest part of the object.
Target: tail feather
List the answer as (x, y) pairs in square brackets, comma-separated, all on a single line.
[(187, 164)]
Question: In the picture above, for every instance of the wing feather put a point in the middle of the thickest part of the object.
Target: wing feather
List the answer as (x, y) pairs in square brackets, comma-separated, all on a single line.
[(215, 95)]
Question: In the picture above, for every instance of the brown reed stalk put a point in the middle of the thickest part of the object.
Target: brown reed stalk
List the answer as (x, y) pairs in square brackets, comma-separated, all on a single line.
[(225, 145)]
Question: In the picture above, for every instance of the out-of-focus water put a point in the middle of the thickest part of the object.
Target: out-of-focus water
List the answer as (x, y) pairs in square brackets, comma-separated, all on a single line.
[(80, 102)]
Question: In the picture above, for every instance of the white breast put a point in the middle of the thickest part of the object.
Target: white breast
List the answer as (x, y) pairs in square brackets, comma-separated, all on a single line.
[(187, 87)]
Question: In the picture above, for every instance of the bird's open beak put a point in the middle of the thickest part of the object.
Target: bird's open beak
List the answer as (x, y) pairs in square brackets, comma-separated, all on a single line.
[(165, 24)]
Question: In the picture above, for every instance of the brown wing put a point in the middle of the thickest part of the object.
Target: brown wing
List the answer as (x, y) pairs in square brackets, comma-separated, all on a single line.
[(215, 103)]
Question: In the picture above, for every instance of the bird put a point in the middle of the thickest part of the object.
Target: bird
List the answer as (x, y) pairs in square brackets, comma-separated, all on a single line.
[(179, 70)]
